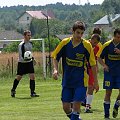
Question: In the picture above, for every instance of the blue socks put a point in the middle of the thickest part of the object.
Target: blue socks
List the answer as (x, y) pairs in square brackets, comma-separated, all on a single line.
[(106, 109), (75, 116)]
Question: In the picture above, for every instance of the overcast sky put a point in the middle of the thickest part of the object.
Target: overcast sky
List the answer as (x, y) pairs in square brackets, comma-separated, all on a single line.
[(44, 2)]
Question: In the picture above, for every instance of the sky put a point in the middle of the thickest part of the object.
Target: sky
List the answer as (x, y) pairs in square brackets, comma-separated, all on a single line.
[(44, 2)]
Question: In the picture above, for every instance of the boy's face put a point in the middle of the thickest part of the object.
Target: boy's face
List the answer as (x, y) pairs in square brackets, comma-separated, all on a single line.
[(78, 33), (27, 36), (117, 38), (94, 42)]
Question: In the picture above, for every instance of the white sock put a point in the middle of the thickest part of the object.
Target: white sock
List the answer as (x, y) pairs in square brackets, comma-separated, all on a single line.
[(89, 99)]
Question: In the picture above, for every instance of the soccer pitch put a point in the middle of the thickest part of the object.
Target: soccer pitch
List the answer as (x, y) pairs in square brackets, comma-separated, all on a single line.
[(47, 106)]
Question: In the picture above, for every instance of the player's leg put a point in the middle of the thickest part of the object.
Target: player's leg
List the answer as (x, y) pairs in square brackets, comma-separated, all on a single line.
[(16, 82), (67, 98), (90, 90), (20, 70), (32, 85), (107, 103), (116, 105), (76, 111), (30, 70), (117, 102), (89, 99), (108, 84), (79, 95), (67, 109)]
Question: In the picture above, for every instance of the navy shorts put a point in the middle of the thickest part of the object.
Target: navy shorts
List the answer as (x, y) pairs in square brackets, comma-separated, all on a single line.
[(73, 94), (25, 68), (111, 82)]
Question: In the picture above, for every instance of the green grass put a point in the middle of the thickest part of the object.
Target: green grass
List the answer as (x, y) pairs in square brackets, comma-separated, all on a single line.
[(46, 107)]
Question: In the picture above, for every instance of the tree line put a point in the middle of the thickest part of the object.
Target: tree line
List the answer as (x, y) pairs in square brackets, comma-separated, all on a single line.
[(65, 16)]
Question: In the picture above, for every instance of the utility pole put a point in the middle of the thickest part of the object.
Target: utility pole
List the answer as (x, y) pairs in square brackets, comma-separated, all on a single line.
[(49, 45)]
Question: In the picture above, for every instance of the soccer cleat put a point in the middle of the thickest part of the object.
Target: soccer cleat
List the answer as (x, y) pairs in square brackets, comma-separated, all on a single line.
[(88, 111), (34, 95), (83, 104), (115, 112), (13, 92)]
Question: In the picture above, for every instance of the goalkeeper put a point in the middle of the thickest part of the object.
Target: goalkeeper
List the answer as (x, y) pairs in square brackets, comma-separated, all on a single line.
[(25, 66)]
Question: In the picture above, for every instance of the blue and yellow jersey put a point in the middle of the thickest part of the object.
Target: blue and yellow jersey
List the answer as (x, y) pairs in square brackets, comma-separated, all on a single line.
[(73, 62), (111, 58)]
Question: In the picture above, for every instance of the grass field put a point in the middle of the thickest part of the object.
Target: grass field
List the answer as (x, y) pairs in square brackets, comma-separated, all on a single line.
[(47, 106)]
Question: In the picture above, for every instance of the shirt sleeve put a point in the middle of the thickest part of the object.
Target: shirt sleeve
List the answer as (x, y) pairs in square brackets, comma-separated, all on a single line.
[(58, 52), (104, 50), (90, 53)]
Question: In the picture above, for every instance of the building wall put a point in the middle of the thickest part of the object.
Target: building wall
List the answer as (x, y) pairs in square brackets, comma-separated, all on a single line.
[(25, 20)]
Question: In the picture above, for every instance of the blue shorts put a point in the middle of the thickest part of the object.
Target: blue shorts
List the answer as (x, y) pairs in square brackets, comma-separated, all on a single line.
[(73, 94), (111, 82)]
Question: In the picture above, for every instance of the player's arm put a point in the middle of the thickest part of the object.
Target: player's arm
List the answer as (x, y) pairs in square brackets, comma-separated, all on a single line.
[(94, 71), (105, 67), (55, 69), (101, 56), (57, 54)]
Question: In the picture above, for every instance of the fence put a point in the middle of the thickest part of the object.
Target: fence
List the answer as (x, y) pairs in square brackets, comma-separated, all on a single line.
[(8, 64)]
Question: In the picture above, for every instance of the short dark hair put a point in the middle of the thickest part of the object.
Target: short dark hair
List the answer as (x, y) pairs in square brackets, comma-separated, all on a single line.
[(26, 31), (117, 31), (96, 36), (97, 30), (78, 25)]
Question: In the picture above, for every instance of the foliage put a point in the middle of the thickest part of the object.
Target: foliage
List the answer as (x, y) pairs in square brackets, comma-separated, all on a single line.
[(37, 45), (65, 15), (111, 6), (13, 47)]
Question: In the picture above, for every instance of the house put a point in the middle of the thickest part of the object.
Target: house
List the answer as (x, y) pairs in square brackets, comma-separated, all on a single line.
[(25, 19), (104, 21), (8, 35)]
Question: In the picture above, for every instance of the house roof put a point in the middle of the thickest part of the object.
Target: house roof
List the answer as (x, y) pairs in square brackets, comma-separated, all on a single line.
[(9, 35), (104, 20), (39, 14)]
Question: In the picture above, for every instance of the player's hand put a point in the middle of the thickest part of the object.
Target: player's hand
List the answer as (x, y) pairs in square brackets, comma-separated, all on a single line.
[(116, 50), (106, 68), (96, 87), (55, 74)]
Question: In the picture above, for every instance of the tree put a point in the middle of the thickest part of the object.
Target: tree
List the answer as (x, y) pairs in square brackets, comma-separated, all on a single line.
[(111, 6)]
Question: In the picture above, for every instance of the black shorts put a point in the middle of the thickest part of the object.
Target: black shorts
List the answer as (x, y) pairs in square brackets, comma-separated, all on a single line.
[(25, 68)]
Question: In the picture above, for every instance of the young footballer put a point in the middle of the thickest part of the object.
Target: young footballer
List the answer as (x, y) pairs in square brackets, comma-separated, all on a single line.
[(25, 66), (74, 53), (98, 31), (110, 52), (95, 39)]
